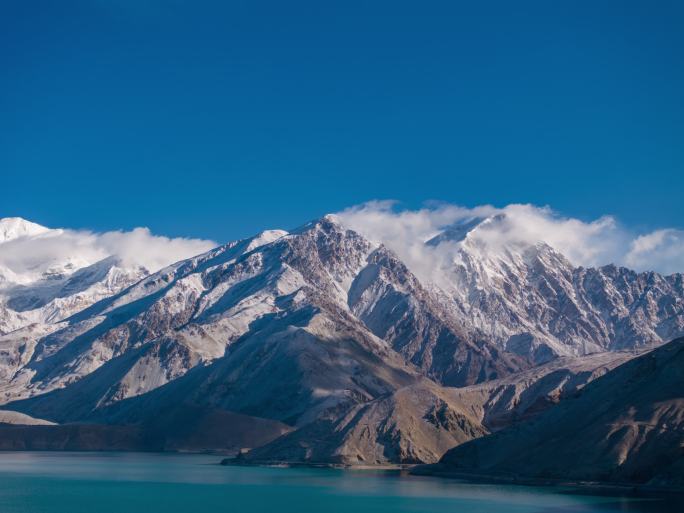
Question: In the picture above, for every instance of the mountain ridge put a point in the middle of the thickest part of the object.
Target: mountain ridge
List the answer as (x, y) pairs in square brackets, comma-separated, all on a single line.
[(332, 347)]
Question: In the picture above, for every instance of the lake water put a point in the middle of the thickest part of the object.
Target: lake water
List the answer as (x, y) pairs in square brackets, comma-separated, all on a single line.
[(149, 483)]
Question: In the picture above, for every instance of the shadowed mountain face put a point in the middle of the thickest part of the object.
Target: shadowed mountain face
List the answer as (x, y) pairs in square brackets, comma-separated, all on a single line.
[(627, 426), (413, 424), (321, 346), (519, 397)]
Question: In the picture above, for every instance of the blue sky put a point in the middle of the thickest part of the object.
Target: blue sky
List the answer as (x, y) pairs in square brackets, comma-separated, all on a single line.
[(218, 119)]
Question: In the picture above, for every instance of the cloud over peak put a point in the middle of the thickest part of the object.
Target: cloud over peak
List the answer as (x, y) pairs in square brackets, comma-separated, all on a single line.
[(585, 243), (31, 253)]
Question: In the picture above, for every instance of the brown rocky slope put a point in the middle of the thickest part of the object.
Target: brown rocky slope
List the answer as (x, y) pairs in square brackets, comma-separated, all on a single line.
[(627, 426)]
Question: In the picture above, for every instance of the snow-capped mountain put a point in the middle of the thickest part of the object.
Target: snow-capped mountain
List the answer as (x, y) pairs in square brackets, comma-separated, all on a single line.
[(15, 227), (299, 328), (328, 340), (112, 326), (192, 311), (529, 299), (44, 288)]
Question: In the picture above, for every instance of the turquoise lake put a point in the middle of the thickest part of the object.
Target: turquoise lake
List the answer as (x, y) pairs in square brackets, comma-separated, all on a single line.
[(50, 482)]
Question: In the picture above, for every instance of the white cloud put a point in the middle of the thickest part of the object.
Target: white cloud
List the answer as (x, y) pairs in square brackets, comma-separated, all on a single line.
[(140, 247), (661, 250), (28, 257), (598, 242)]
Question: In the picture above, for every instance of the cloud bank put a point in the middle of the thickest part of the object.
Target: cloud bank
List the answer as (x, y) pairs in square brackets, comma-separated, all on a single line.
[(594, 243), (30, 256)]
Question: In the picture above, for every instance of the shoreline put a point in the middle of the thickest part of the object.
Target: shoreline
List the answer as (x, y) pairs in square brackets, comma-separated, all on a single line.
[(237, 462), (414, 469), (595, 486), (423, 470)]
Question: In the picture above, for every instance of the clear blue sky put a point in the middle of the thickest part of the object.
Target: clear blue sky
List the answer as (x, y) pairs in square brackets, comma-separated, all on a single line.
[(217, 119)]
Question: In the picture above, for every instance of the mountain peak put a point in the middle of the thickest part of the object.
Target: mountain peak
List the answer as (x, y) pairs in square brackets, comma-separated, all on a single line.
[(455, 232), (458, 231), (265, 237), (327, 223), (16, 227)]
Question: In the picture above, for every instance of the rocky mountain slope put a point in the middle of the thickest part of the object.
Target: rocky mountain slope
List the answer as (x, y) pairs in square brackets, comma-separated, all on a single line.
[(190, 312), (282, 326), (519, 397), (414, 424), (38, 359), (320, 345), (627, 426), (529, 299)]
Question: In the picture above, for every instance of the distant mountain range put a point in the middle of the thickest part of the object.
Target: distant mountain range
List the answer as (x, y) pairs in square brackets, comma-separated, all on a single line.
[(321, 346)]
